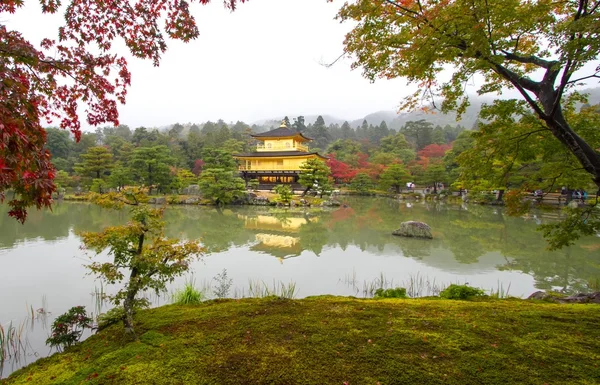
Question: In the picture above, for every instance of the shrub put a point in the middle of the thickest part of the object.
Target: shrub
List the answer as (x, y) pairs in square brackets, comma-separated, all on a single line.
[(398, 292), (111, 317), (117, 314), (173, 200), (253, 184), (284, 192), (461, 292), (68, 327), (223, 284)]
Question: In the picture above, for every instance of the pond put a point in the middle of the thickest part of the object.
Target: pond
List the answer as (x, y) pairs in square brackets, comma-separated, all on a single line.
[(341, 251)]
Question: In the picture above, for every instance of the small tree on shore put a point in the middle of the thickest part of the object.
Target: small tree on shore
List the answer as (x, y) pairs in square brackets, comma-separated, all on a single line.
[(362, 183), (285, 193), (221, 186), (141, 257), (315, 175)]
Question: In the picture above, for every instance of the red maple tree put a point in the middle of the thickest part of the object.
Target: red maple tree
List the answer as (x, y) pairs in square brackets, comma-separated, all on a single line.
[(340, 171), (434, 151), (47, 83)]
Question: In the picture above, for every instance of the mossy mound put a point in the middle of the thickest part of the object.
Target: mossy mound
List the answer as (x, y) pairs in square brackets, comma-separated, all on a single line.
[(333, 340)]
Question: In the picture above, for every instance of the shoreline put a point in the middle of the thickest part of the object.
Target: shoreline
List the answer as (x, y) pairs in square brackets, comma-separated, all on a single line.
[(267, 198)]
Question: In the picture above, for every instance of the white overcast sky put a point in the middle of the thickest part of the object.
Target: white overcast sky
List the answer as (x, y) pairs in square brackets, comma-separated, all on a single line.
[(262, 61)]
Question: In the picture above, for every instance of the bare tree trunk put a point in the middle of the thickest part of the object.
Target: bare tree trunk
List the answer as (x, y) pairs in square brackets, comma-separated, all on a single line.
[(132, 289), (128, 305)]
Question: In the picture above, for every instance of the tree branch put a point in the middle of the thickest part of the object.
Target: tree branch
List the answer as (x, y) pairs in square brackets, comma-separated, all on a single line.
[(529, 59), (585, 77), (528, 134), (395, 4)]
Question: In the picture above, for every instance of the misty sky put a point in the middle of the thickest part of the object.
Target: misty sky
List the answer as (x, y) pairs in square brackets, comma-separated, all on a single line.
[(261, 61)]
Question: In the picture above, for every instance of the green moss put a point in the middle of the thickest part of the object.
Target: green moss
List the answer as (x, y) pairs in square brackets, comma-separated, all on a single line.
[(330, 340)]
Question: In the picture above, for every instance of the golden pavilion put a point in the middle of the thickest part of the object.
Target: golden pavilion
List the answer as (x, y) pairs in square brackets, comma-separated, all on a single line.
[(278, 157)]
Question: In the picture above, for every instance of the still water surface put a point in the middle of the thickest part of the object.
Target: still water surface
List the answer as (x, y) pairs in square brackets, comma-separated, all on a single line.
[(324, 251)]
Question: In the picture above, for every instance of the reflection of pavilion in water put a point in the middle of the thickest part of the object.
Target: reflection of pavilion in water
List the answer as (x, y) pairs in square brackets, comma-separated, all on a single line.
[(276, 236)]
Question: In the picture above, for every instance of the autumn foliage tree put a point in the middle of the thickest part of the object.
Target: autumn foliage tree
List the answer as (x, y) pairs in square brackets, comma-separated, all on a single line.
[(47, 81), (340, 171), (541, 49), (434, 151)]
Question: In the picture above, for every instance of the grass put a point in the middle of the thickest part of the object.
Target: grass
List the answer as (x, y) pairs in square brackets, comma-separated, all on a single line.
[(336, 340), (416, 285), (13, 341), (188, 295), (259, 289)]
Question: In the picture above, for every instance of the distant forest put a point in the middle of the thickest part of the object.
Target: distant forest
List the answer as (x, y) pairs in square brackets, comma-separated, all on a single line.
[(173, 157)]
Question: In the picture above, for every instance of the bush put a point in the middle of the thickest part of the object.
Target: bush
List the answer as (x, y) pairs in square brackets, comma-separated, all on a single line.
[(461, 292), (284, 192), (116, 314), (398, 292), (253, 184), (111, 317), (173, 200), (67, 328)]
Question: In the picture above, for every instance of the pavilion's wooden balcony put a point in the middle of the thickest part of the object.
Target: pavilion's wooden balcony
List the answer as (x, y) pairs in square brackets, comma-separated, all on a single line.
[(267, 167), (261, 147)]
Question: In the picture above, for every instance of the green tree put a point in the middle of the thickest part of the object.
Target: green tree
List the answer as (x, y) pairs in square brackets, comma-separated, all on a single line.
[(397, 145), (183, 178), (347, 131), (538, 48), (150, 166), (95, 163), (395, 176), (176, 130), (120, 177), (463, 142), (298, 124), (141, 257), (62, 180), (438, 136), (284, 193), (436, 174), (194, 129), (362, 183), (345, 150), (221, 186), (314, 174), (233, 146), (319, 133), (98, 186), (58, 142), (218, 158), (376, 133), (513, 150), (419, 133)]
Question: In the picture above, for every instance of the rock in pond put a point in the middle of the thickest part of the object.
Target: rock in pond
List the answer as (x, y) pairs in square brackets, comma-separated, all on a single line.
[(414, 229)]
